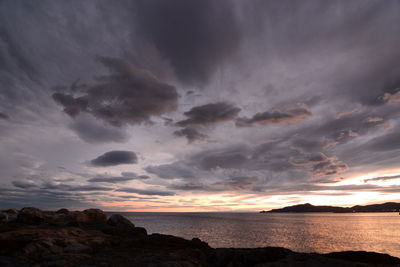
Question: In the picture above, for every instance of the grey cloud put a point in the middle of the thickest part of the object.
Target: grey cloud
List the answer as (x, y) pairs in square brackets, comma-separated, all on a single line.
[(171, 171), (89, 188), (210, 114), (275, 117), (41, 198), (331, 166), (386, 142), (191, 134), (382, 178), (232, 158), (145, 192), (93, 131), (48, 185), (128, 96), (24, 184), (319, 164), (4, 116), (129, 174), (392, 95), (305, 159), (112, 180), (314, 144), (238, 183), (113, 158), (196, 37), (192, 186)]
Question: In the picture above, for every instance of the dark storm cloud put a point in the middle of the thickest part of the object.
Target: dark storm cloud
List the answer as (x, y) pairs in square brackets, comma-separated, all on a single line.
[(128, 96), (114, 158), (93, 131), (191, 134), (210, 114), (382, 178), (275, 117), (4, 116), (112, 180), (196, 37), (145, 192)]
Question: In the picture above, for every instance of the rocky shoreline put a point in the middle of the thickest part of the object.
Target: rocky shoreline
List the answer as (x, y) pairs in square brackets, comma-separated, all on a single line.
[(32, 237)]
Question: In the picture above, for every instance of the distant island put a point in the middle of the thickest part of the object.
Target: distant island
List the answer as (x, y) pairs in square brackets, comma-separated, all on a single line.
[(385, 207)]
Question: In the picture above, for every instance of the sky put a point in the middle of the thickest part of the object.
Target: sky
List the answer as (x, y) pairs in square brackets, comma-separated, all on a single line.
[(185, 105)]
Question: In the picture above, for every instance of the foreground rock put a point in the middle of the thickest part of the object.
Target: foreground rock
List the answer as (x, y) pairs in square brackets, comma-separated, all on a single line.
[(31, 237)]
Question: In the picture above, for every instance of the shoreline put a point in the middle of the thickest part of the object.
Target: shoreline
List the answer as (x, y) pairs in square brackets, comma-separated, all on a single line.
[(91, 238)]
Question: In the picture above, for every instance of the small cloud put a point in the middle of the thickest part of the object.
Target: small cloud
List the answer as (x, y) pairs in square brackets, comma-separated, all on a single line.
[(24, 184), (374, 119), (4, 116), (145, 192), (392, 98), (112, 180), (129, 174), (291, 115), (210, 114), (191, 134), (114, 158), (345, 113), (382, 178)]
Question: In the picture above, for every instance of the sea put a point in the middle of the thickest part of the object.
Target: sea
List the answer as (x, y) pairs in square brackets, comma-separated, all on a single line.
[(301, 232)]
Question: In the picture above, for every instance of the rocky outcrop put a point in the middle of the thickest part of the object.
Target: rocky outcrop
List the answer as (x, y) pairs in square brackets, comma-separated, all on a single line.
[(87, 238)]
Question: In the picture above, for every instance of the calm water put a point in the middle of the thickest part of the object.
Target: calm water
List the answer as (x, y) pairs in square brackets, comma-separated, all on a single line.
[(323, 232)]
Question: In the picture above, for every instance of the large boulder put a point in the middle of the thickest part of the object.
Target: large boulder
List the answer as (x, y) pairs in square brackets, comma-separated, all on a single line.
[(62, 211), (119, 225), (31, 216), (93, 217), (120, 222)]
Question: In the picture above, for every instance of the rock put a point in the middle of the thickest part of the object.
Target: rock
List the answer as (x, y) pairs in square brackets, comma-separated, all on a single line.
[(121, 222), (31, 216), (11, 211), (122, 226), (62, 211), (139, 232), (3, 216), (77, 248), (9, 215), (93, 216)]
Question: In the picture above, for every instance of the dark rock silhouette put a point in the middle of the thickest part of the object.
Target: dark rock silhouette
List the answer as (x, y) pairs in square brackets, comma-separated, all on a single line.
[(385, 207), (32, 237)]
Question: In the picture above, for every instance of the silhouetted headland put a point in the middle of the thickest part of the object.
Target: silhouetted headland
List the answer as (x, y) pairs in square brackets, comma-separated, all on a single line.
[(32, 237), (385, 207)]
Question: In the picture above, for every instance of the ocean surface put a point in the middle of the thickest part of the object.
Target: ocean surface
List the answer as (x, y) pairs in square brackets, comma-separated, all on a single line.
[(303, 232)]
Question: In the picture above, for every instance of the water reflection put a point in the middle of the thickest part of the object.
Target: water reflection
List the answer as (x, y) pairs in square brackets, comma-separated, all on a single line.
[(322, 232)]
